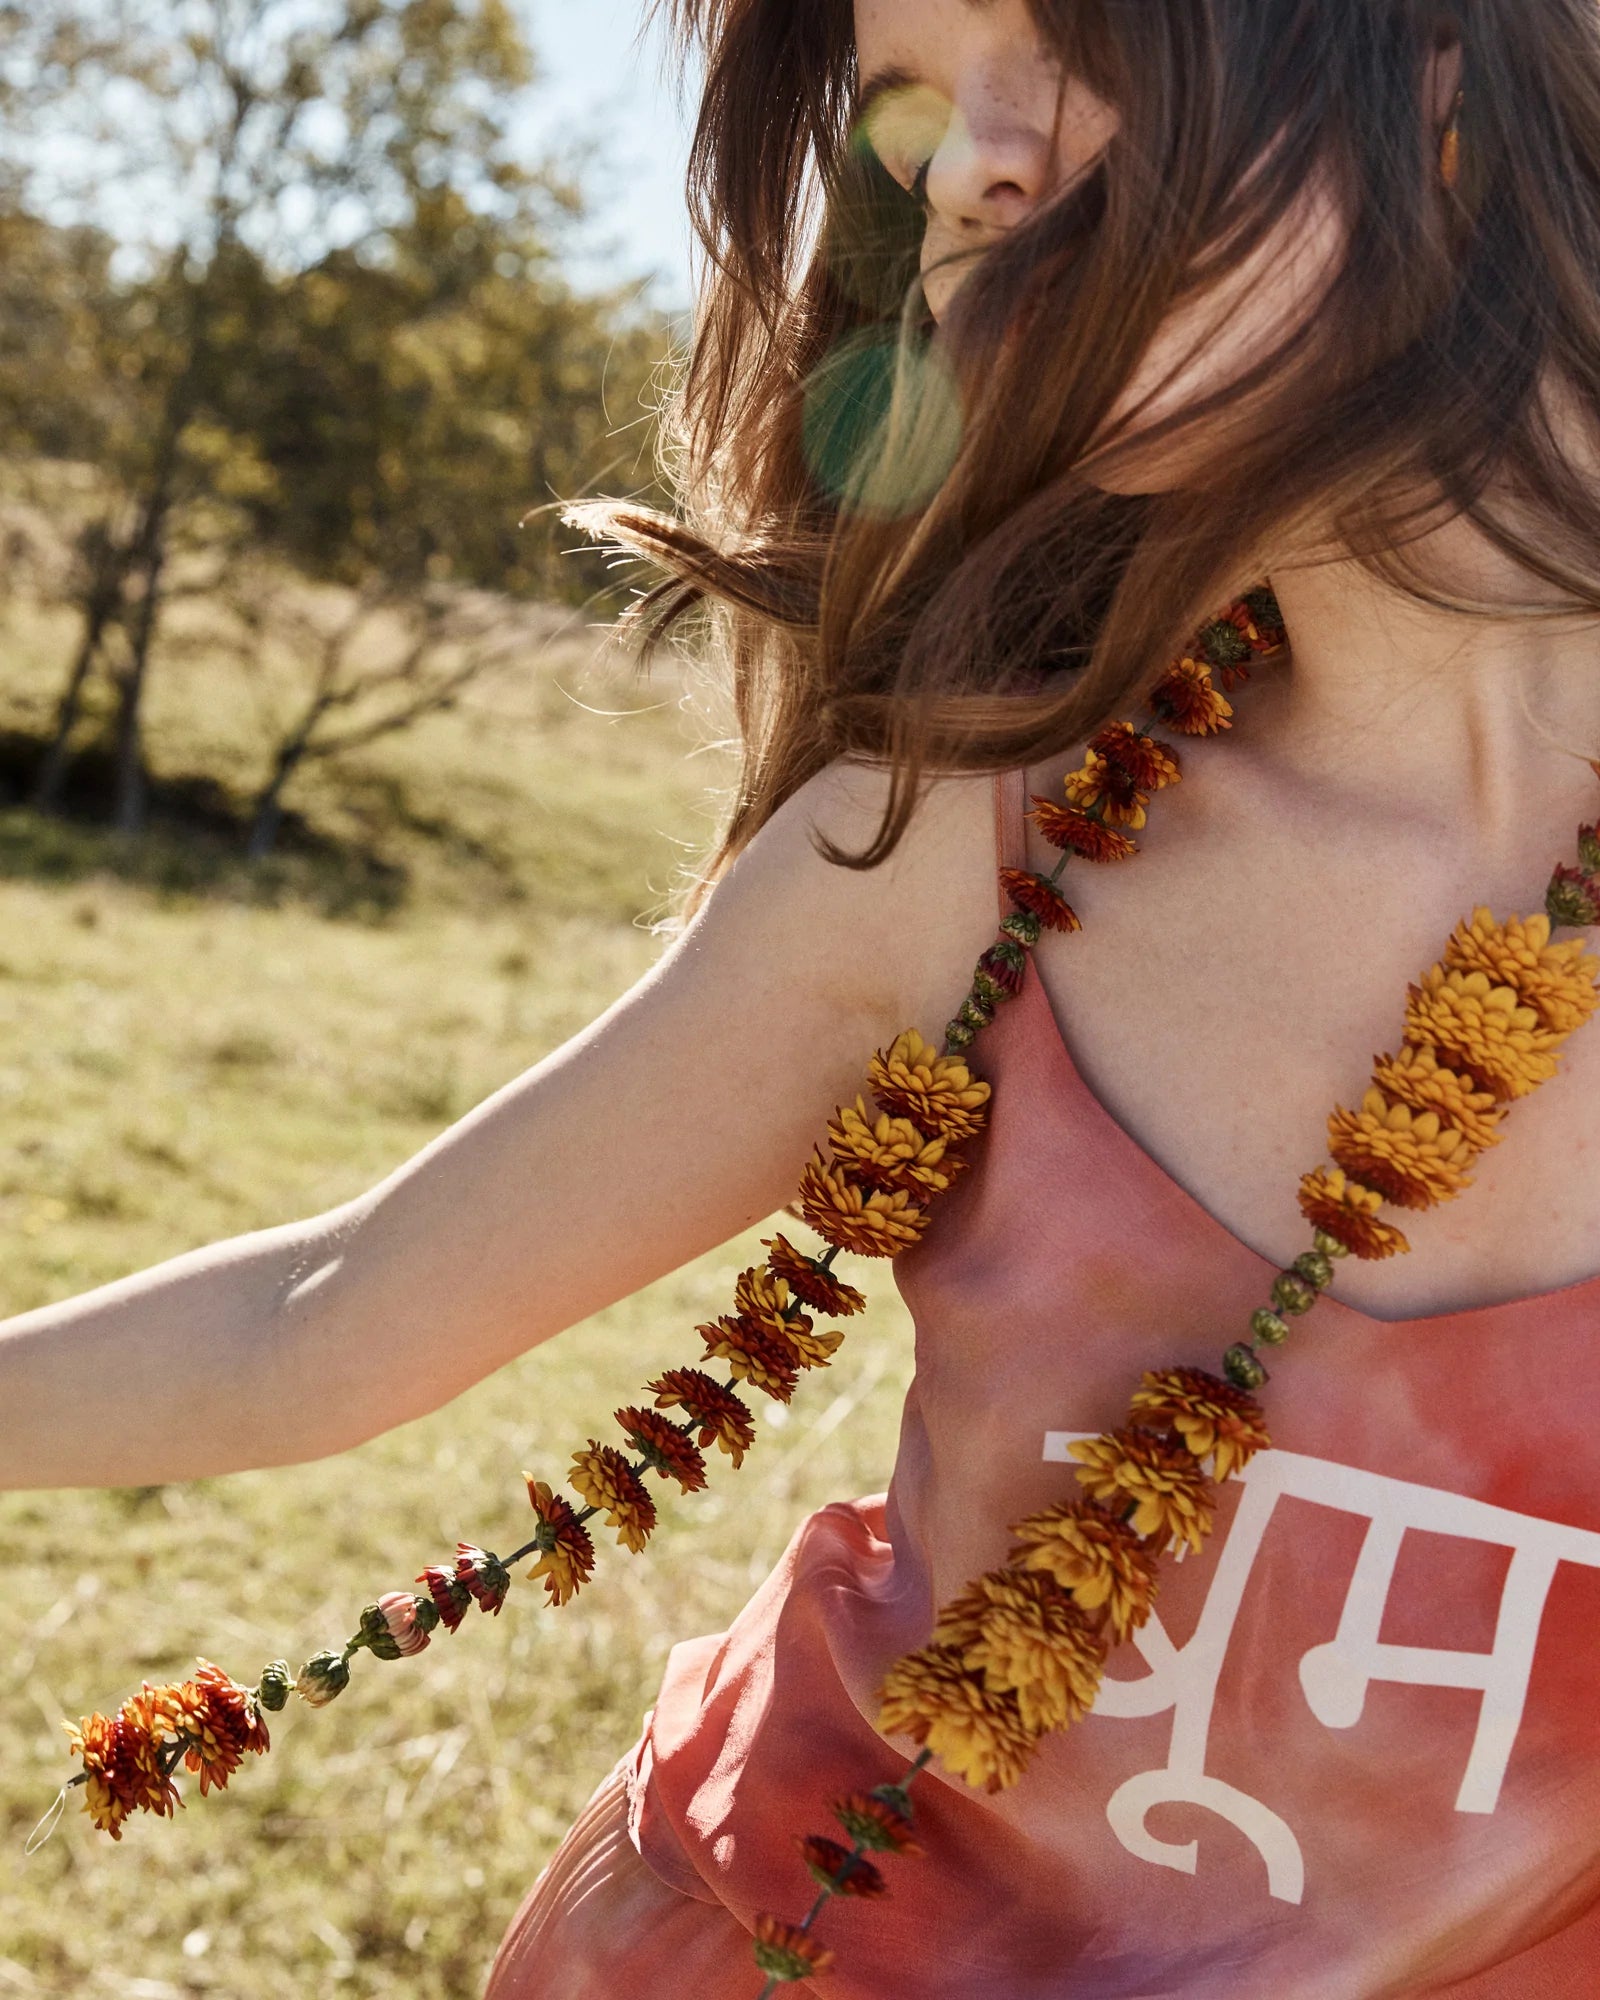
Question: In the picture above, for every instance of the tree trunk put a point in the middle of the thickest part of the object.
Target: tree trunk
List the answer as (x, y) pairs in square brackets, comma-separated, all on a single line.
[(268, 815), (132, 780), (100, 603)]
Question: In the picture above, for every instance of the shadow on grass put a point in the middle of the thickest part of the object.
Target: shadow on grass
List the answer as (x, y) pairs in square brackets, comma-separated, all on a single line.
[(194, 843)]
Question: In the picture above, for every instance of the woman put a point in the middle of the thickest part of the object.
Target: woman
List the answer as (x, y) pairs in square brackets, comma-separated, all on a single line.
[(1211, 296)]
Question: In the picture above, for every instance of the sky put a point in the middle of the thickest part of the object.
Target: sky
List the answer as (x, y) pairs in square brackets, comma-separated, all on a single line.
[(607, 90)]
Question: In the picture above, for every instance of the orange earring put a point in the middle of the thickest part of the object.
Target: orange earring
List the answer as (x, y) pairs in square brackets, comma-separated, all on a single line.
[(1450, 145)]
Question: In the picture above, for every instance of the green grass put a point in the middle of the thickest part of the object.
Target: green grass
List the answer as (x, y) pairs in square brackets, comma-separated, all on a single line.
[(189, 1049)]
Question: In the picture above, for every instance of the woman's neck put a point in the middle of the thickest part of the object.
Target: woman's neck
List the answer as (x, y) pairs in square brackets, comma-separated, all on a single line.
[(1398, 709)]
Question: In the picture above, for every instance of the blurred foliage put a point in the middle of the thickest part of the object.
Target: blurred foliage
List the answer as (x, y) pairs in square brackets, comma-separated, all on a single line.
[(274, 272)]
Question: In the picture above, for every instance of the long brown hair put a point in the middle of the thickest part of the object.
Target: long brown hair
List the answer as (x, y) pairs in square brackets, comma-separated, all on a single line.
[(890, 524)]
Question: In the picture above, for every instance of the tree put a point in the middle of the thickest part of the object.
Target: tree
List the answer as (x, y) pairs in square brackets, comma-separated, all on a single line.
[(231, 147)]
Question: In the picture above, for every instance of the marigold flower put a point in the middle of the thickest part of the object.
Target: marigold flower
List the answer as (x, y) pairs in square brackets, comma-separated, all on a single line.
[(1556, 980), (760, 1296), (1228, 645), (1040, 898), (1482, 1029), (1260, 617), (1188, 699), (399, 1608), (1098, 1560), (123, 1757), (566, 1560), (609, 1484), (836, 1868), (485, 1575), (1171, 1498), (810, 1281), (939, 1094), (890, 1152), (1214, 1419), (762, 1299), (1408, 1156), (451, 1598), (873, 1222), (784, 1951), (220, 1720), (974, 1730), (767, 1361), (1074, 832), (1100, 787), (1348, 1212), (723, 1419), (663, 1447), (1146, 764), (872, 1822), (1573, 897), (1418, 1078), (1026, 1636)]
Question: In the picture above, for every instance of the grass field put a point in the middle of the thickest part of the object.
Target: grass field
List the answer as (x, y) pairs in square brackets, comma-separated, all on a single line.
[(189, 1049)]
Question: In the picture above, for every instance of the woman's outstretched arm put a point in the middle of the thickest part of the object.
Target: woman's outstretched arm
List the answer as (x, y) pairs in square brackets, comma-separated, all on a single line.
[(678, 1118)]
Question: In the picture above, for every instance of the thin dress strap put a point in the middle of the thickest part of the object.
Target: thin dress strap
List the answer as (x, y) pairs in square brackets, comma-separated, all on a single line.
[(1010, 830)]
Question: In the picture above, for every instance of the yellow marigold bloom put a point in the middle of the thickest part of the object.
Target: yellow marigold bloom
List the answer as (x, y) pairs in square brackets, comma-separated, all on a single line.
[(1408, 1156), (609, 1483), (810, 1283), (1146, 764), (221, 1720), (1418, 1078), (567, 1559), (767, 1361), (723, 1419), (1342, 1208), (939, 1094), (664, 1447), (1556, 980), (1099, 786), (761, 1297), (1189, 699), (1170, 1497), (1214, 1419), (122, 1755), (873, 1222), (1099, 1561), (976, 1732), (1027, 1637), (890, 1152), (1482, 1029)]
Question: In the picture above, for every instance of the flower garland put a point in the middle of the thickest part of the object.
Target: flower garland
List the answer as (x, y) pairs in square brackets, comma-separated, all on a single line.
[(1019, 1653)]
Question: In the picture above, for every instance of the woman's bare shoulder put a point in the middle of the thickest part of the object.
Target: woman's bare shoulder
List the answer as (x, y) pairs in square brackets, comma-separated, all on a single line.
[(902, 936)]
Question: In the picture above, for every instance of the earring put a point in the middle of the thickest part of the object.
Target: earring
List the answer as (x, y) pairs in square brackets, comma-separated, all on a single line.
[(1450, 145)]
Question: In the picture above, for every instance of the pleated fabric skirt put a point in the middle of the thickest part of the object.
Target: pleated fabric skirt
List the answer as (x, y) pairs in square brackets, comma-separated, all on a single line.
[(600, 1922)]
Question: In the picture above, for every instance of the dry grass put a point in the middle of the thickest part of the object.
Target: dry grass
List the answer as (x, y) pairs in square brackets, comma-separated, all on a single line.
[(187, 1052)]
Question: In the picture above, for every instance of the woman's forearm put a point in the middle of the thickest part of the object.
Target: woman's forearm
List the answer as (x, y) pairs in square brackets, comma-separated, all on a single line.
[(175, 1373)]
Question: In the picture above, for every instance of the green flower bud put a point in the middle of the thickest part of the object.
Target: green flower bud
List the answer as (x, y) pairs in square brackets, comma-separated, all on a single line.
[(1243, 1369), (1024, 926), (1316, 1267), (1291, 1294), (1266, 1325), (428, 1613), (976, 1011), (323, 1676), (1330, 1246), (958, 1035), (275, 1686), (1589, 849)]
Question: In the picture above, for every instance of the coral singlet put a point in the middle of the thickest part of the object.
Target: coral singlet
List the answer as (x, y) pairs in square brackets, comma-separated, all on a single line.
[(1355, 1753)]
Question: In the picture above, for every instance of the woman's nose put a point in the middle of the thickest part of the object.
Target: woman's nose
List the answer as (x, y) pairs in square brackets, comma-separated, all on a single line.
[(992, 168)]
